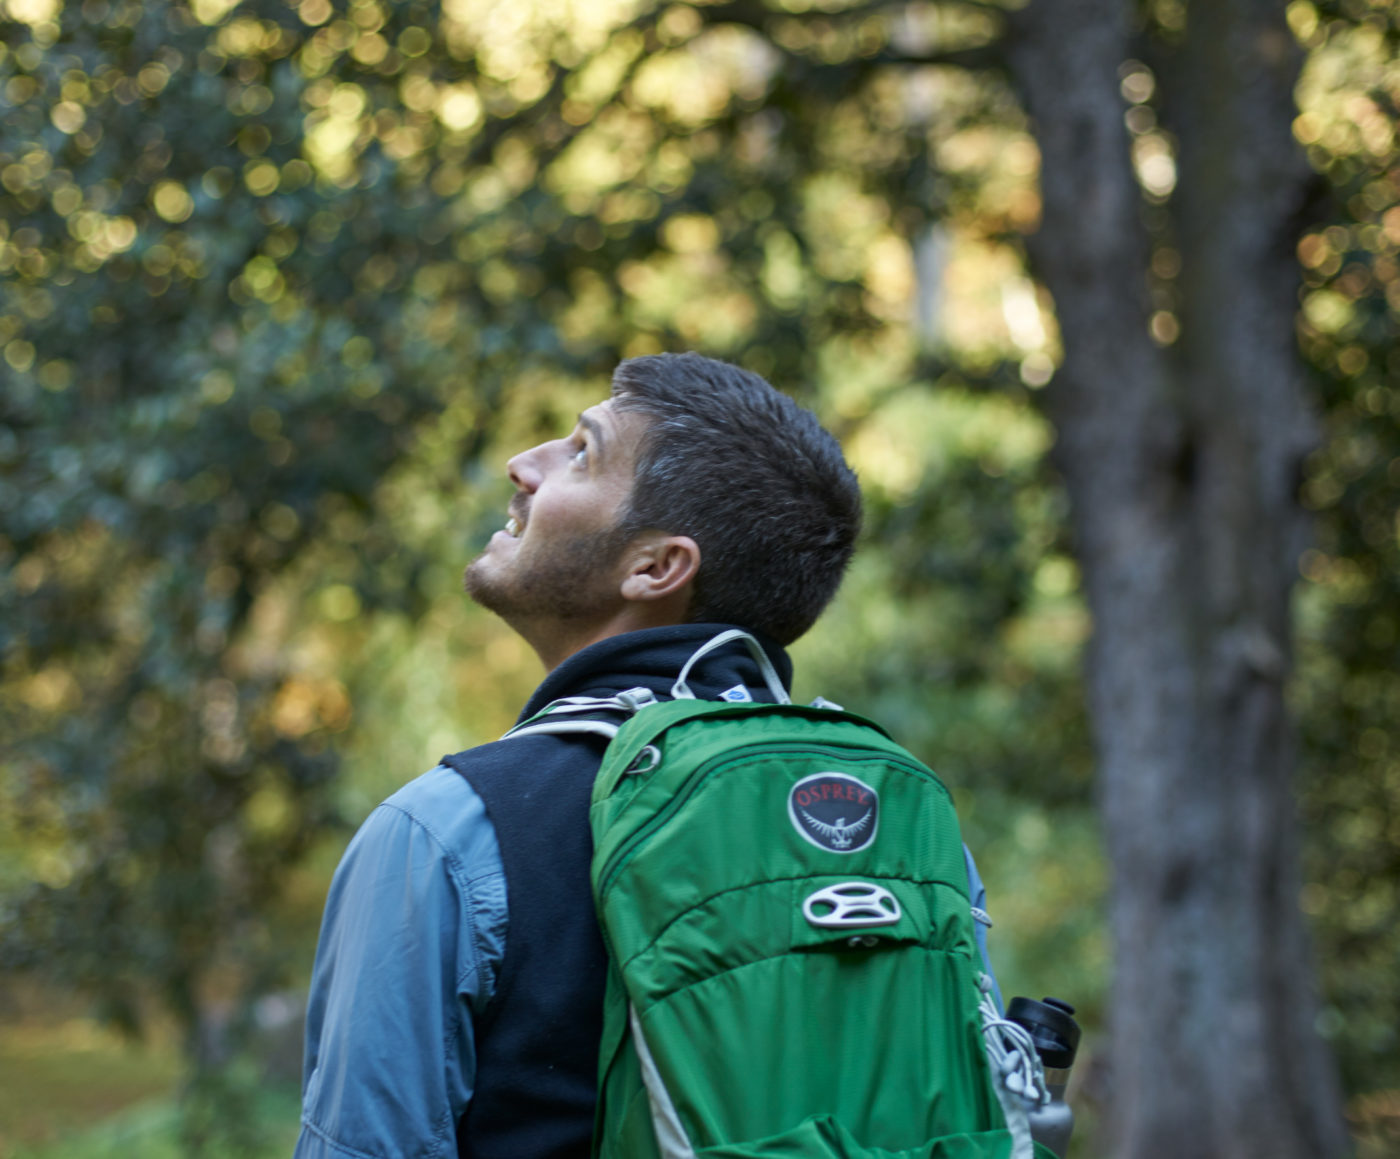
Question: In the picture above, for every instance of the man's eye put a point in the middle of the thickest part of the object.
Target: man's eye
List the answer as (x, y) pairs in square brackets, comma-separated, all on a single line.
[(581, 456)]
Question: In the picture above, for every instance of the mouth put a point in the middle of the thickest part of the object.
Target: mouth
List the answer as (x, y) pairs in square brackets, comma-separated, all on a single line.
[(516, 518)]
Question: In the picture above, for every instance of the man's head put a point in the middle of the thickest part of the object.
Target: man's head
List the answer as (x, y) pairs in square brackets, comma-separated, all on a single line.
[(752, 478), (696, 492)]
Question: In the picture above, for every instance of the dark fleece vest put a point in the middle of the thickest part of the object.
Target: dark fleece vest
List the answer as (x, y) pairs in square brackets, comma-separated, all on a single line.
[(537, 1041)]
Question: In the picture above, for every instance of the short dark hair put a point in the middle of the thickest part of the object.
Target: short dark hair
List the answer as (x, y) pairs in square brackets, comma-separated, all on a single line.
[(749, 475)]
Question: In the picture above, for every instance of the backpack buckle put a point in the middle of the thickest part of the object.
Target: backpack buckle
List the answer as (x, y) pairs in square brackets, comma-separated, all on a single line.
[(852, 905), (636, 699)]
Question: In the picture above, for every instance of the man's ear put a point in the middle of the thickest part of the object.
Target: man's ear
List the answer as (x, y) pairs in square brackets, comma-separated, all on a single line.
[(659, 567)]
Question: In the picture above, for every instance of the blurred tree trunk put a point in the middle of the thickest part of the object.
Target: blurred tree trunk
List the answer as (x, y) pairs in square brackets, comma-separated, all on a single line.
[(1182, 462)]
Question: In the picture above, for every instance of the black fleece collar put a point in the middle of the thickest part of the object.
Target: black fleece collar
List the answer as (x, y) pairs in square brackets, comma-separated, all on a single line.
[(653, 658)]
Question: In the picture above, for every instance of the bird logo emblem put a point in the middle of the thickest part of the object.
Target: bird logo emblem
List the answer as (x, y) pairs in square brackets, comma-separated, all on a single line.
[(834, 811), (838, 832)]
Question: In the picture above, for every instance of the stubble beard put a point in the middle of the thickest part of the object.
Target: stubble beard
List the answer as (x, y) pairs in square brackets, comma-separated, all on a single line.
[(566, 582)]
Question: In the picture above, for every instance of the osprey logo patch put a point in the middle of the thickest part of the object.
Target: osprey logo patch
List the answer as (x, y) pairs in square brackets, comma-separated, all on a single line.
[(834, 811)]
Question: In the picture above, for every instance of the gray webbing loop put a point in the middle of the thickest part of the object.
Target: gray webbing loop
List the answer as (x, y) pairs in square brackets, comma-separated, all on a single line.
[(681, 690)]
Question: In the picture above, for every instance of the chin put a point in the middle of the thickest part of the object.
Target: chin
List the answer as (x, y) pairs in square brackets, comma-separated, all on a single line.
[(477, 579)]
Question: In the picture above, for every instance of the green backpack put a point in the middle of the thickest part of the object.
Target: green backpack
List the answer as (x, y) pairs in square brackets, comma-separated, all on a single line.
[(784, 899)]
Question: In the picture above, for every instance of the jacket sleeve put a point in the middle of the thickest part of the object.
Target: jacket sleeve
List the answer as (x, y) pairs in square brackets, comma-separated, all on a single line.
[(412, 935)]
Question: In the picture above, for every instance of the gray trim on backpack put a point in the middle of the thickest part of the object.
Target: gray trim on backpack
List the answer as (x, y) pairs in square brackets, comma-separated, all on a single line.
[(671, 1138)]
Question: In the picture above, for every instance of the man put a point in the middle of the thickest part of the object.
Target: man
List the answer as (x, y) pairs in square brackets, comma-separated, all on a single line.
[(456, 998)]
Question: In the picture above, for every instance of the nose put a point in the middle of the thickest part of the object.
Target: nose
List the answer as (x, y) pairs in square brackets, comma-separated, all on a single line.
[(524, 470)]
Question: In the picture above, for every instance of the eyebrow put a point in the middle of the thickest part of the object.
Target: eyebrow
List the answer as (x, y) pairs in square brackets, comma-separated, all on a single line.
[(594, 428)]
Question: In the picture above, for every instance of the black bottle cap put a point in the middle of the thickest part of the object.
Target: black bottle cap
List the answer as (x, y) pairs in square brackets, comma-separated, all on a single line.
[(1052, 1028)]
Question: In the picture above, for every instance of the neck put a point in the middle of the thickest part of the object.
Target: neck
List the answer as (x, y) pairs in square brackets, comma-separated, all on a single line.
[(555, 642)]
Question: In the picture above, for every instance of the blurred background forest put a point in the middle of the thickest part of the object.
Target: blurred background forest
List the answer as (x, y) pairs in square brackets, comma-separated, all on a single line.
[(286, 281)]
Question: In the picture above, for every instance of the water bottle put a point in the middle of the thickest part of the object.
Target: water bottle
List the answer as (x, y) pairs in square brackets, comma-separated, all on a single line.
[(1055, 1033)]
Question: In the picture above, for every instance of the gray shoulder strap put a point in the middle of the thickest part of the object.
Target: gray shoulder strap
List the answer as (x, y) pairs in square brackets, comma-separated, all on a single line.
[(543, 722), (559, 727)]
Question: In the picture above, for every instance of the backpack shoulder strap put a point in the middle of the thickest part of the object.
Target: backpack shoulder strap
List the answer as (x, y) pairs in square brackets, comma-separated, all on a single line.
[(584, 714)]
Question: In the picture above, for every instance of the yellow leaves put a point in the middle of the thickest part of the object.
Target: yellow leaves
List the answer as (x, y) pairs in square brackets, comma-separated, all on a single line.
[(588, 87), (511, 41), (418, 93), (68, 117), (280, 521), (261, 177), (246, 37), (1307, 128), (1020, 308), (840, 221), (691, 233), (52, 689), (783, 280), (152, 78), (1003, 162), (1154, 164), (172, 201), (1328, 311), (1315, 253), (1338, 114), (914, 434), (337, 132), (33, 12), (338, 602), (26, 174), (321, 50), (347, 102), (216, 387), (370, 48), (262, 279), (889, 276), (1057, 576), (1302, 19), (101, 236), (210, 12), (358, 351), (56, 375), (19, 354), (459, 107), (612, 150), (269, 811), (414, 42), (1372, 125), (1390, 224), (66, 199), (1164, 327), (885, 459), (314, 13), (696, 85)]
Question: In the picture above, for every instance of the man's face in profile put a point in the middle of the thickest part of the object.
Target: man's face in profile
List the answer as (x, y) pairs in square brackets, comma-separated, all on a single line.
[(558, 560)]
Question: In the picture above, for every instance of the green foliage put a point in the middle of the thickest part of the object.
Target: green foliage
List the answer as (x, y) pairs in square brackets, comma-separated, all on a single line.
[(157, 1131), (271, 271), (1348, 692), (279, 278)]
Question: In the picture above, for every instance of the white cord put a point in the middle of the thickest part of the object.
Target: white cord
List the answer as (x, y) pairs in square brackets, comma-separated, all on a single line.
[(1011, 1051)]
